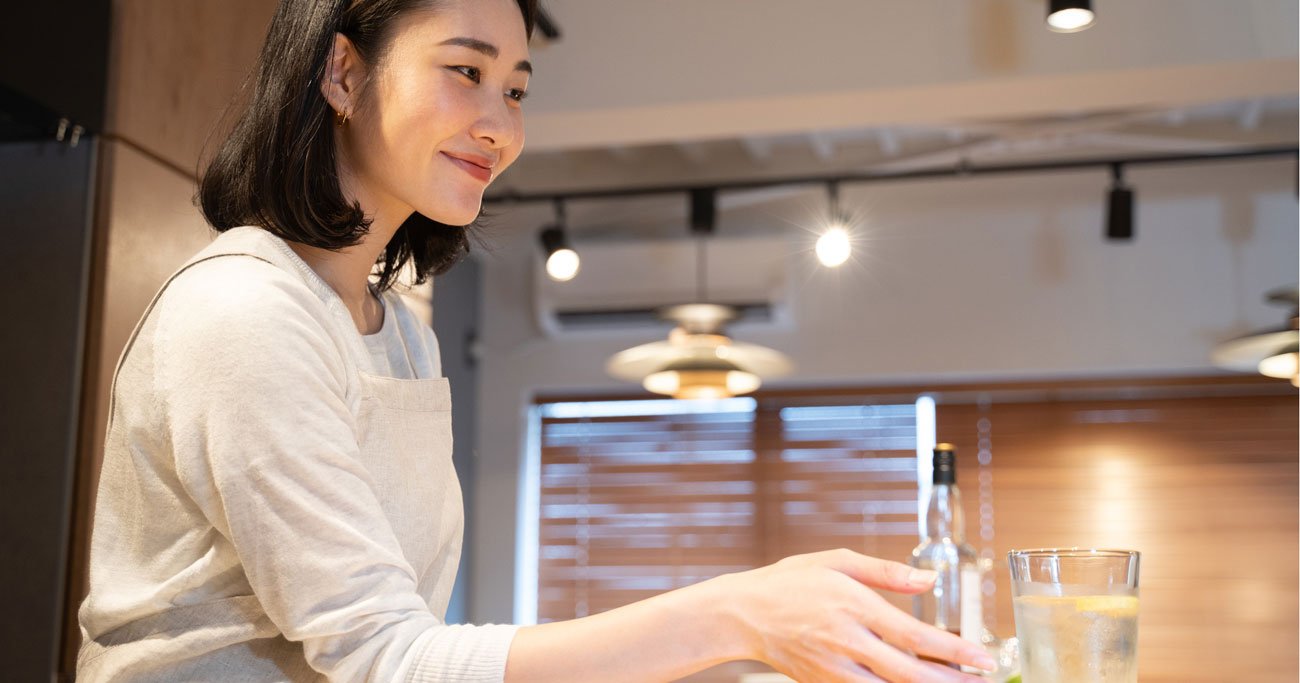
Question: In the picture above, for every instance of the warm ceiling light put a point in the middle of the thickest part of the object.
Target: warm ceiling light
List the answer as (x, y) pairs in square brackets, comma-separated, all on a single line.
[(1273, 353), (562, 265), (833, 247), (1069, 16), (1285, 364), (698, 360), (562, 261), (702, 378)]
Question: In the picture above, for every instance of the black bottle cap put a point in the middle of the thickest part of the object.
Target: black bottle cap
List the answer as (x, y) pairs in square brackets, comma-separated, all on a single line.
[(945, 464)]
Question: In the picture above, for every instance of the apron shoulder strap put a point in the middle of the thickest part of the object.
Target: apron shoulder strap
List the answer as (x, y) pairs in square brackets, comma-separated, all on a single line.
[(252, 242)]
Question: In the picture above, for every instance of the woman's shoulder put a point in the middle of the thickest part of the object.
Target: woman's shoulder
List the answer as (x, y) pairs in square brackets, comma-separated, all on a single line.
[(240, 288), (245, 310)]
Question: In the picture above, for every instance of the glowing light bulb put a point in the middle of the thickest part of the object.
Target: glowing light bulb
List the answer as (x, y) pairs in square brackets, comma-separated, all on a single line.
[(833, 247), (562, 265), (741, 382), (1070, 20), (1283, 366)]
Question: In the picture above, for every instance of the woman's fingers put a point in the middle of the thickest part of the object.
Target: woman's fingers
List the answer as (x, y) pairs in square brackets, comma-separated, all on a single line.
[(904, 632), (965, 678), (857, 672), (878, 573), (850, 670), (841, 630), (832, 668), (892, 665)]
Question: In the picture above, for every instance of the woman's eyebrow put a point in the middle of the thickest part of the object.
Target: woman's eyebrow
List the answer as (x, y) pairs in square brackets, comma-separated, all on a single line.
[(488, 49)]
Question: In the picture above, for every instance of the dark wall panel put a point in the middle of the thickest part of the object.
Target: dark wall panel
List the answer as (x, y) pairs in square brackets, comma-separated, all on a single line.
[(55, 54), (45, 193), (456, 320)]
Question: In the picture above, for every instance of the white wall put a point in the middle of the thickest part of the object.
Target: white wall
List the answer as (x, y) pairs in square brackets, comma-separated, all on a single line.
[(988, 278)]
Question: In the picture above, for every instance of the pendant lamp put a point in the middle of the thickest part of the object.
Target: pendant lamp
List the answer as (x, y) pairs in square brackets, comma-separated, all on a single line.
[(698, 360), (1269, 352)]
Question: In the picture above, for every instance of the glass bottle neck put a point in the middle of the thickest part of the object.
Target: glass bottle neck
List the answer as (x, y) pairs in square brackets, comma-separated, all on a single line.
[(943, 518)]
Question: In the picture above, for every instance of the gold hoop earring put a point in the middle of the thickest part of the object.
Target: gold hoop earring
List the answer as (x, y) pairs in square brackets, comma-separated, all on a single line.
[(340, 118)]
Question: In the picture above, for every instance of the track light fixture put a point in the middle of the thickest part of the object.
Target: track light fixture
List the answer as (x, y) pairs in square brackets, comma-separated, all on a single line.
[(704, 210), (562, 261), (1119, 206), (833, 247), (1070, 16)]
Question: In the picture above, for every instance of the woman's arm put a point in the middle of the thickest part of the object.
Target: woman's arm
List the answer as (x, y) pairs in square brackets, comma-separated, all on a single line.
[(811, 617), (660, 639), (252, 391)]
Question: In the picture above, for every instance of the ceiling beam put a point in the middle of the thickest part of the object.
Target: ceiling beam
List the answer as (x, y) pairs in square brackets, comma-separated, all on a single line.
[(822, 146), (758, 149), (1035, 96)]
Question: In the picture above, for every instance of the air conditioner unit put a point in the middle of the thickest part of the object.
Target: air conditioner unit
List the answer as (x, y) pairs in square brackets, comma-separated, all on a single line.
[(622, 284)]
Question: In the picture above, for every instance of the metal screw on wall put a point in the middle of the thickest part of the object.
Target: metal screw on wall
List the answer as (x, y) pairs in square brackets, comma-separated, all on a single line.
[(63, 132)]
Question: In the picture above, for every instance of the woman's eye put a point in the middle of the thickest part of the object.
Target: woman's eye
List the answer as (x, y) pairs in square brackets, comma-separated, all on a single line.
[(470, 72), (474, 74)]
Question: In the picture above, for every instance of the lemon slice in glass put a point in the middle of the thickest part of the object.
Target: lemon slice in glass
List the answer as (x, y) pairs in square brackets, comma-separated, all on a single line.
[(1111, 605)]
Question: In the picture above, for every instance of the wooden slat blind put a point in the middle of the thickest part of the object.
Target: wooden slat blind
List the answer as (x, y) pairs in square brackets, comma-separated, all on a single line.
[(635, 502), (635, 505), (840, 476), (1205, 488)]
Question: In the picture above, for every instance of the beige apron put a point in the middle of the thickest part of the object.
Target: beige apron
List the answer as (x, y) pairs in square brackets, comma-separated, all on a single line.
[(405, 439)]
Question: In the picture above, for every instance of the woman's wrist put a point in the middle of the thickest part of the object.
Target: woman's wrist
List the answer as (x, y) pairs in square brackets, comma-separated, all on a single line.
[(729, 607), (666, 637)]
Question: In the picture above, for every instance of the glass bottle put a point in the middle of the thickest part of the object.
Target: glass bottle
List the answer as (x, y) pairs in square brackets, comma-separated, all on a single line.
[(955, 603)]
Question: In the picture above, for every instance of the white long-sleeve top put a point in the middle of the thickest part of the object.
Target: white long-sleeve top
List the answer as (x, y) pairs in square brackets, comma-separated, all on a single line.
[(260, 515)]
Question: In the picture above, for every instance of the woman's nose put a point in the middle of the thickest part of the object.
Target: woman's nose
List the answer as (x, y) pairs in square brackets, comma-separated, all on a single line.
[(496, 125)]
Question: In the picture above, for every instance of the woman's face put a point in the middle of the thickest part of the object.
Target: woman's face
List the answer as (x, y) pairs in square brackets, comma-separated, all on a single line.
[(441, 117)]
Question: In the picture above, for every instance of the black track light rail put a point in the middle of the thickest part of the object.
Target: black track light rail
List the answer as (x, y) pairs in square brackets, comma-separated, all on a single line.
[(960, 171)]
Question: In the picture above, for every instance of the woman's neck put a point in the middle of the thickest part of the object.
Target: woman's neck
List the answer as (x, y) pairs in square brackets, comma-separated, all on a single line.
[(347, 271)]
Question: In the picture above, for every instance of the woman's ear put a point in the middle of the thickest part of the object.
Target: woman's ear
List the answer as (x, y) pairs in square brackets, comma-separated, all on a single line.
[(343, 76)]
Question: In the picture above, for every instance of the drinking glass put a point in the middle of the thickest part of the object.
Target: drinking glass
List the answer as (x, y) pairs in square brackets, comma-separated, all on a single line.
[(1076, 614)]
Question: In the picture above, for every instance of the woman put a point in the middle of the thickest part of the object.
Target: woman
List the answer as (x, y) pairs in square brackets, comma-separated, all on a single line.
[(277, 499)]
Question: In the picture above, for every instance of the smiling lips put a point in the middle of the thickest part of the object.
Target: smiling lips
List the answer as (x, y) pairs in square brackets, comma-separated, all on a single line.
[(478, 167)]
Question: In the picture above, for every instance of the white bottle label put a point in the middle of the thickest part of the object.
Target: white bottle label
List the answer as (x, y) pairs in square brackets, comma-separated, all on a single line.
[(972, 605)]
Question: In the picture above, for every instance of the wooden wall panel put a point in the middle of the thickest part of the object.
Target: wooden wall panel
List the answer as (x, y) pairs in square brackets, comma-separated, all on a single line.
[(1206, 488), (148, 228), (173, 68)]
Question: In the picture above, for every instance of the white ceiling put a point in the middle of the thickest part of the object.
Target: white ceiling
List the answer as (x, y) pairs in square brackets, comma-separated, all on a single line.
[(697, 90)]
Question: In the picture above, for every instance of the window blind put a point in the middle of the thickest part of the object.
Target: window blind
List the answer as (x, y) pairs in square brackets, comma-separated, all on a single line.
[(641, 497), (1199, 474)]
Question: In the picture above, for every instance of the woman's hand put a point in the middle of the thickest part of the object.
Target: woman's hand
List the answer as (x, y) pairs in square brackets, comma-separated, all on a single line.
[(816, 619), (812, 617)]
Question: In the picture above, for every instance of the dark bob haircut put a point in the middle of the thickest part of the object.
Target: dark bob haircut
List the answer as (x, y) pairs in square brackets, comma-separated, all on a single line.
[(277, 168)]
